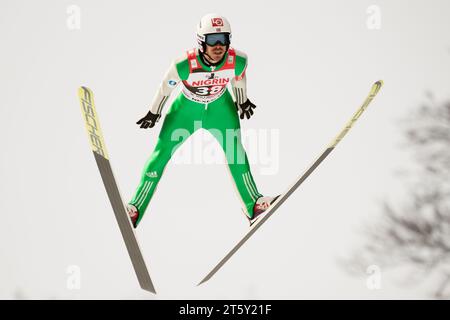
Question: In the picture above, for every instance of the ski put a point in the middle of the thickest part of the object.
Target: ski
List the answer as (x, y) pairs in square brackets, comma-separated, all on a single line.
[(101, 157), (373, 92)]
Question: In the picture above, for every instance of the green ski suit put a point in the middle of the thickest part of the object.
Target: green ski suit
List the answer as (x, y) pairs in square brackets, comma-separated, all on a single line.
[(204, 103)]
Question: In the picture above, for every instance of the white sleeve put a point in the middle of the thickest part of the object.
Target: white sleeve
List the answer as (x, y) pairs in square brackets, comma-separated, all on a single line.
[(169, 83), (240, 89), (239, 82)]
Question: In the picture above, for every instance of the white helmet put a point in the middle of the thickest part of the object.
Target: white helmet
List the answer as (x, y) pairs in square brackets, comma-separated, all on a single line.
[(212, 24)]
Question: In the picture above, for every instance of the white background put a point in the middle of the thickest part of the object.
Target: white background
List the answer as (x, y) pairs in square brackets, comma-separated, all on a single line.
[(311, 63)]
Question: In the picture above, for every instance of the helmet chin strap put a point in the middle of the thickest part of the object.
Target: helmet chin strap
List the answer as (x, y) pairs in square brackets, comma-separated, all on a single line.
[(210, 59)]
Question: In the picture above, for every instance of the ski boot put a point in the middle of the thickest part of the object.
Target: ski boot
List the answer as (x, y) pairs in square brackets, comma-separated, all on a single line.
[(260, 207), (133, 213)]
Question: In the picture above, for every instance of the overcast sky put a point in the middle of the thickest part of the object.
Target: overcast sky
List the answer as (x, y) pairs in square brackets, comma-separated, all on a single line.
[(311, 63)]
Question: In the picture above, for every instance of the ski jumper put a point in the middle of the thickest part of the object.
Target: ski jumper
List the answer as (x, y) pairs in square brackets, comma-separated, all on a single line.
[(204, 102)]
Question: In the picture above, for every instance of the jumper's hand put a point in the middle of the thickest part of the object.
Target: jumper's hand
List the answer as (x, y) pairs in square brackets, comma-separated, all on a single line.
[(246, 109), (149, 120)]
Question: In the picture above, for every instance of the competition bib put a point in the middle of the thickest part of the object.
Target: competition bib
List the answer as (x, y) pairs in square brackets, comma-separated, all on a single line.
[(206, 86)]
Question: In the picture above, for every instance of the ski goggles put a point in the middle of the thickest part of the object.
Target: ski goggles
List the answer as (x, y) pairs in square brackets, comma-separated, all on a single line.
[(214, 39)]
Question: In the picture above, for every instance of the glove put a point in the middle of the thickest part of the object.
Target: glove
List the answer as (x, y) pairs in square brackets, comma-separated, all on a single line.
[(149, 120), (246, 109)]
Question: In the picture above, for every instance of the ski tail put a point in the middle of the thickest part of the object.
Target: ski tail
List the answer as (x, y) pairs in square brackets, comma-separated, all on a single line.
[(98, 147), (373, 92)]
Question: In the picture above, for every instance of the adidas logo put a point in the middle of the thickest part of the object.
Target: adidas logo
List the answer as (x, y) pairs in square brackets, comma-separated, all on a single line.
[(152, 174)]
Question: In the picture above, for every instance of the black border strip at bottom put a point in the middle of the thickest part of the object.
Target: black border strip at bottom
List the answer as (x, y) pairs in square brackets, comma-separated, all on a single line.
[(227, 309)]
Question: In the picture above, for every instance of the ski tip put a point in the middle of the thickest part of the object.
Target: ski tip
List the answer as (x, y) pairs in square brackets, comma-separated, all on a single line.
[(83, 89), (376, 87), (85, 93)]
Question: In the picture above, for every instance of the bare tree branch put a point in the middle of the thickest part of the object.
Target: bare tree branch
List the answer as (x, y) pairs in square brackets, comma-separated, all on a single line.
[(417, 234)]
